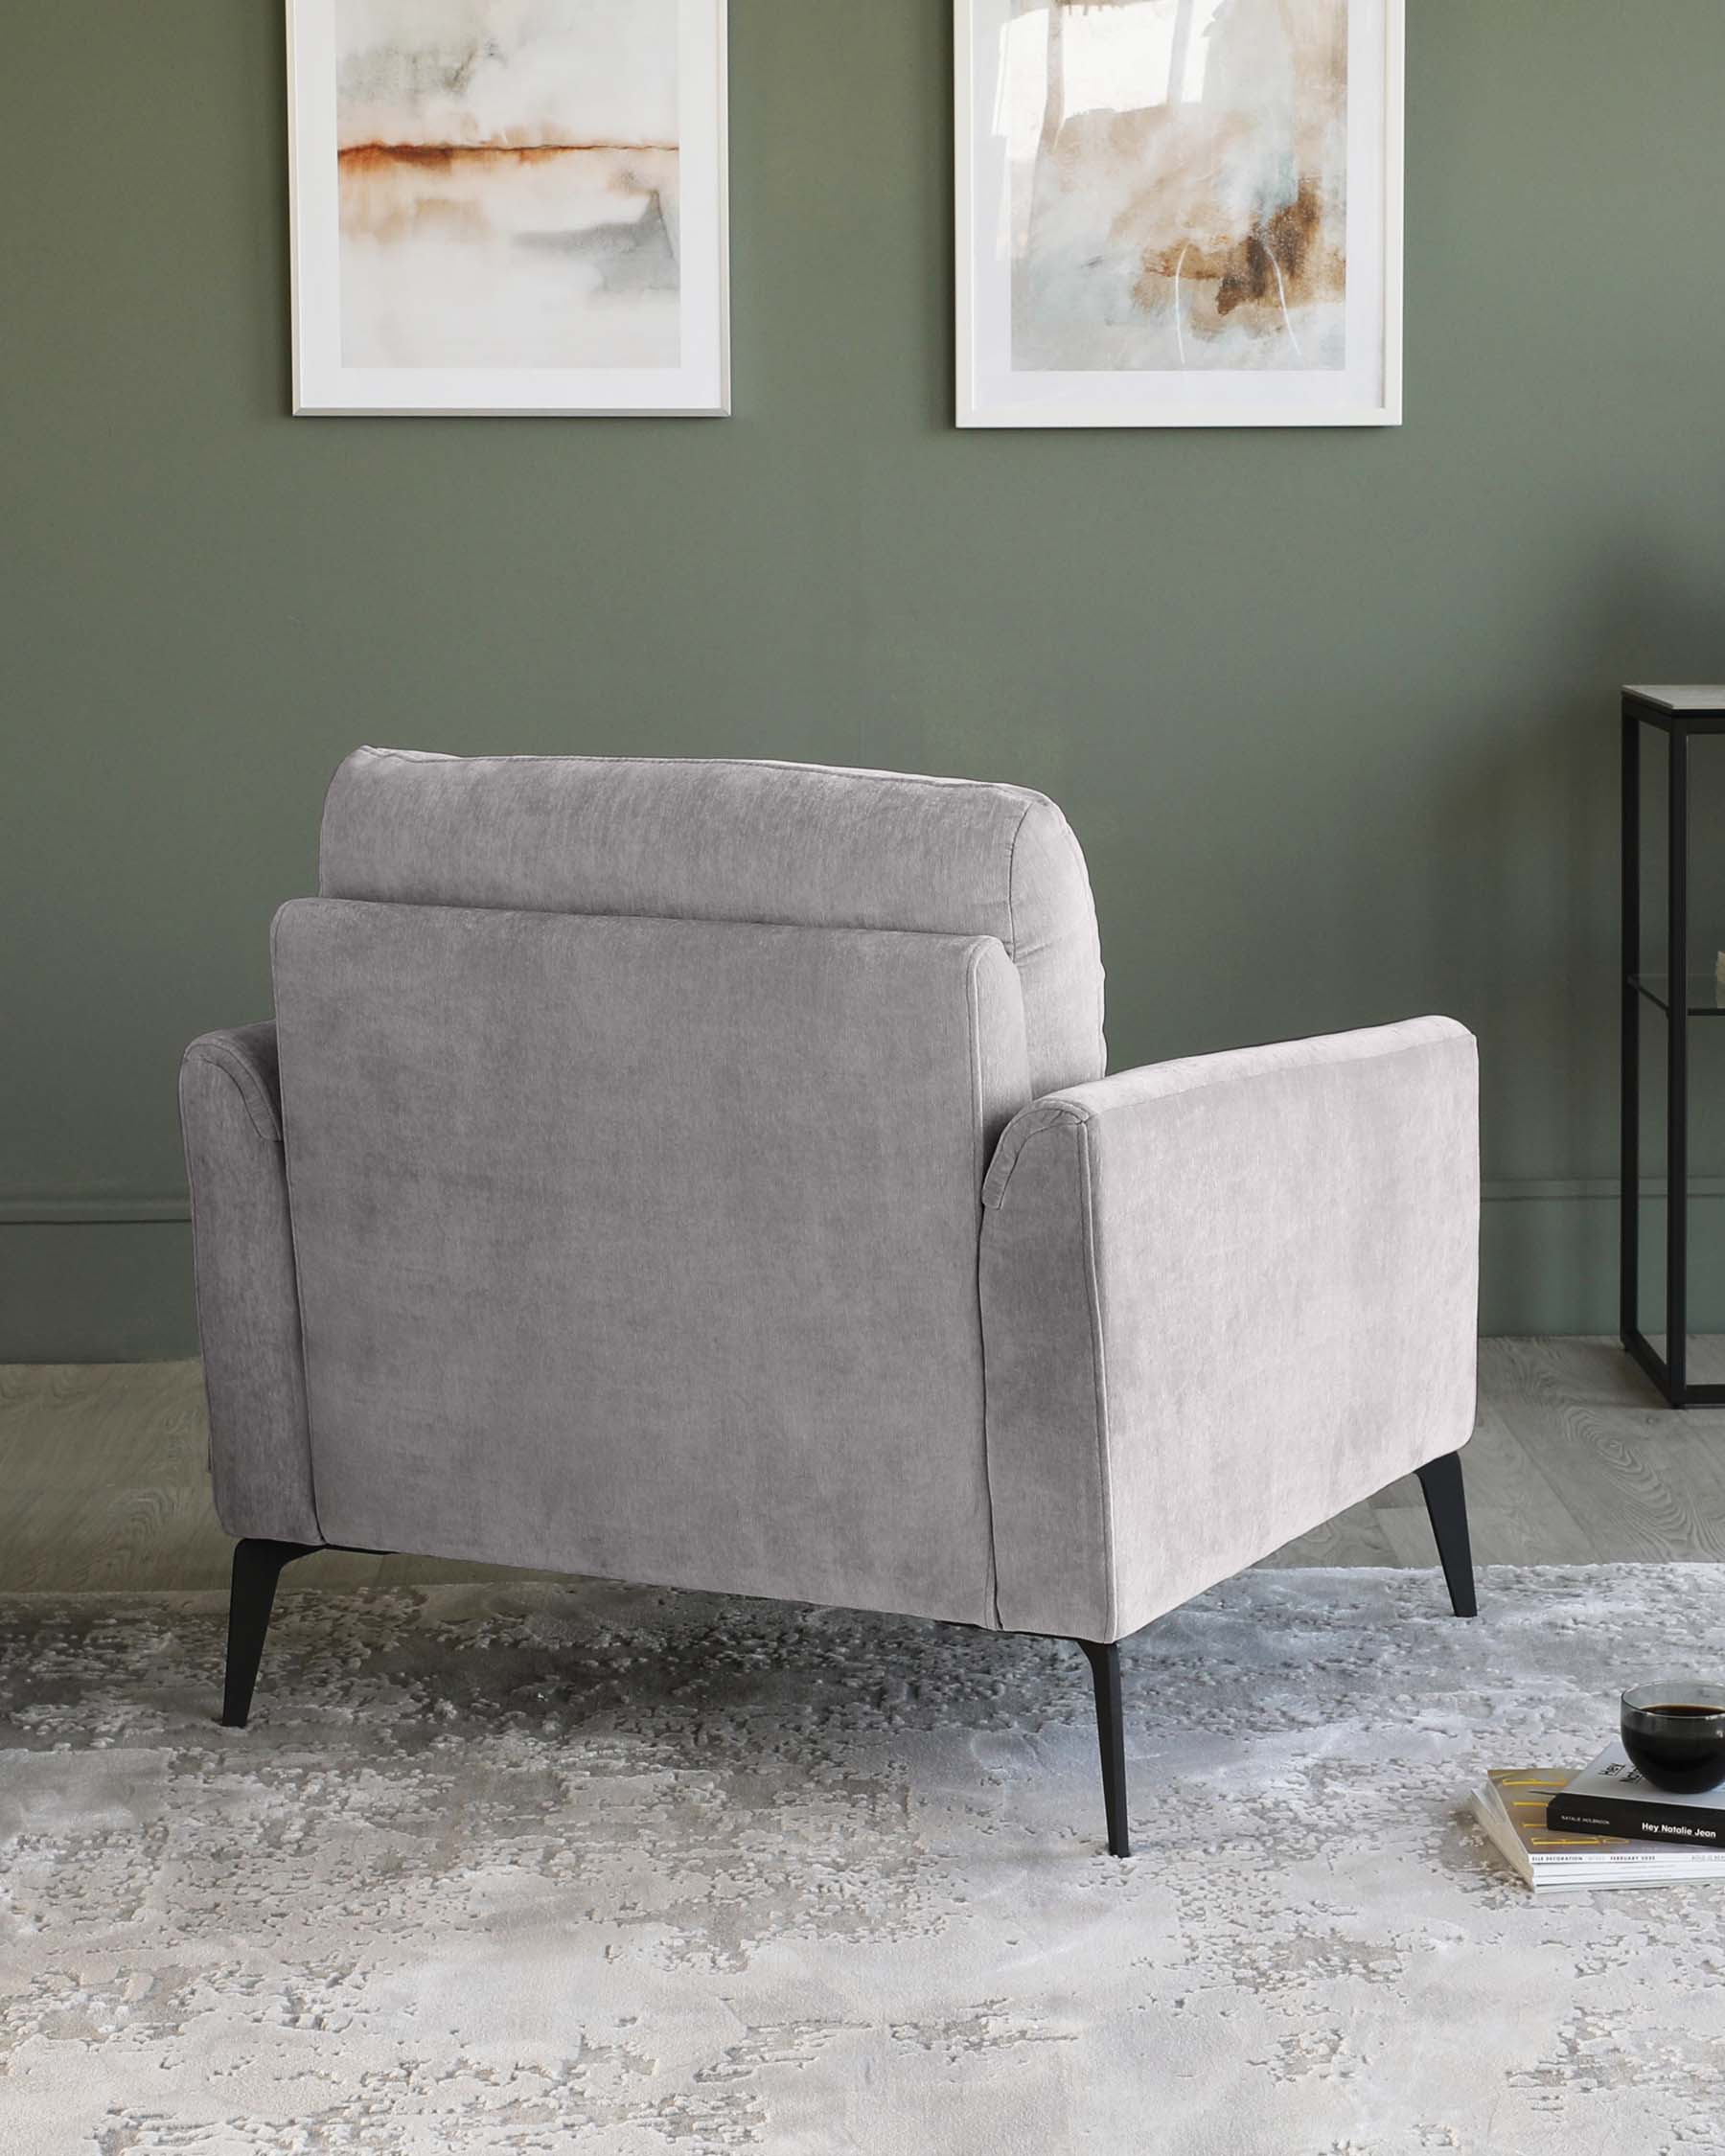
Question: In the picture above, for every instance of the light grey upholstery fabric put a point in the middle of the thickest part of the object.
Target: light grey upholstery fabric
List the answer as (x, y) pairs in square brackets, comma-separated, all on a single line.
[(648, 1247), (1223, 1299), (648, 1217), (248, 1306), (794, 843)]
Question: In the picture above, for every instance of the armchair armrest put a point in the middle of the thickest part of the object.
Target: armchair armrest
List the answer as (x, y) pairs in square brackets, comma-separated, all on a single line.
[(1222, 1299), (248, 1314)]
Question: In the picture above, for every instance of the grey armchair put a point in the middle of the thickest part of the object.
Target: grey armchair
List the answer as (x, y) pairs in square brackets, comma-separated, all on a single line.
[(704, 1174)]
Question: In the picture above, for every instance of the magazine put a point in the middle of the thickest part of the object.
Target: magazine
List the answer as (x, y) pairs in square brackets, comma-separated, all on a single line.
[(1612, 1797), (1511, 1805)]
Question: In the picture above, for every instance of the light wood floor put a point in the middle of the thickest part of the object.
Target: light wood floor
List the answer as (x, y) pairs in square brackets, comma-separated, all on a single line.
[(103, 1475)]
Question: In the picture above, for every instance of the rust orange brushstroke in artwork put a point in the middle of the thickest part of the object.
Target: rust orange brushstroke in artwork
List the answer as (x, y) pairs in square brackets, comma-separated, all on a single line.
[(437, 156)]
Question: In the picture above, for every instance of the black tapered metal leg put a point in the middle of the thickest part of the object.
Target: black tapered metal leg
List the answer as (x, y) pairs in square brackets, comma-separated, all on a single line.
[(1111, 1737), (1446, 1501), (1630, 1044), (1676, 1353), (257, 1566)]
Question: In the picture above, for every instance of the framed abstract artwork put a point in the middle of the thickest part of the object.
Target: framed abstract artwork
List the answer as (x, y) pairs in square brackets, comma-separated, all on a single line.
[(507, 206), (1178, 212)]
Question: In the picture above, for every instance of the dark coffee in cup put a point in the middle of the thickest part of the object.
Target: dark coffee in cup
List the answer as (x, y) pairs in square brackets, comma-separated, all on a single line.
[(1675, 1736)]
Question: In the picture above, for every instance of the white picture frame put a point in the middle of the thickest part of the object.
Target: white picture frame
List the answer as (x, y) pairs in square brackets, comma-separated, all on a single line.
[(639, 367), (1023, 316)]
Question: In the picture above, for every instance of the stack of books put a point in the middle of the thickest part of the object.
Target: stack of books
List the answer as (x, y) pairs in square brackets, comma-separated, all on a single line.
[(1605, 1828)]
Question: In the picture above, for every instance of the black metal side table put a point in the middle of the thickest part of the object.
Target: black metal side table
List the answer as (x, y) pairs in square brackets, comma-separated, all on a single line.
[(1680, 714)]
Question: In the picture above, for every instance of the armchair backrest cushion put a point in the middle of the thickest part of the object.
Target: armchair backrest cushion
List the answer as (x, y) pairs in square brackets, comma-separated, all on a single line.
[(796, 844), (638, 1246)]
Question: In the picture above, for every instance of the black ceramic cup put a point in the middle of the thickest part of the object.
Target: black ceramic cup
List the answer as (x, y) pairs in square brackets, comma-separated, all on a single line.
[(1674, 1734)]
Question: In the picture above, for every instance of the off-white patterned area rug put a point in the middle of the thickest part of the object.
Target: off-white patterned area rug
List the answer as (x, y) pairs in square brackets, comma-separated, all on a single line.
[(598, 1869)]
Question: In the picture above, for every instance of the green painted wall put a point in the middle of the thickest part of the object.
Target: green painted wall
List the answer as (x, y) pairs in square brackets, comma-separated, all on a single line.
[(1332, 712)]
